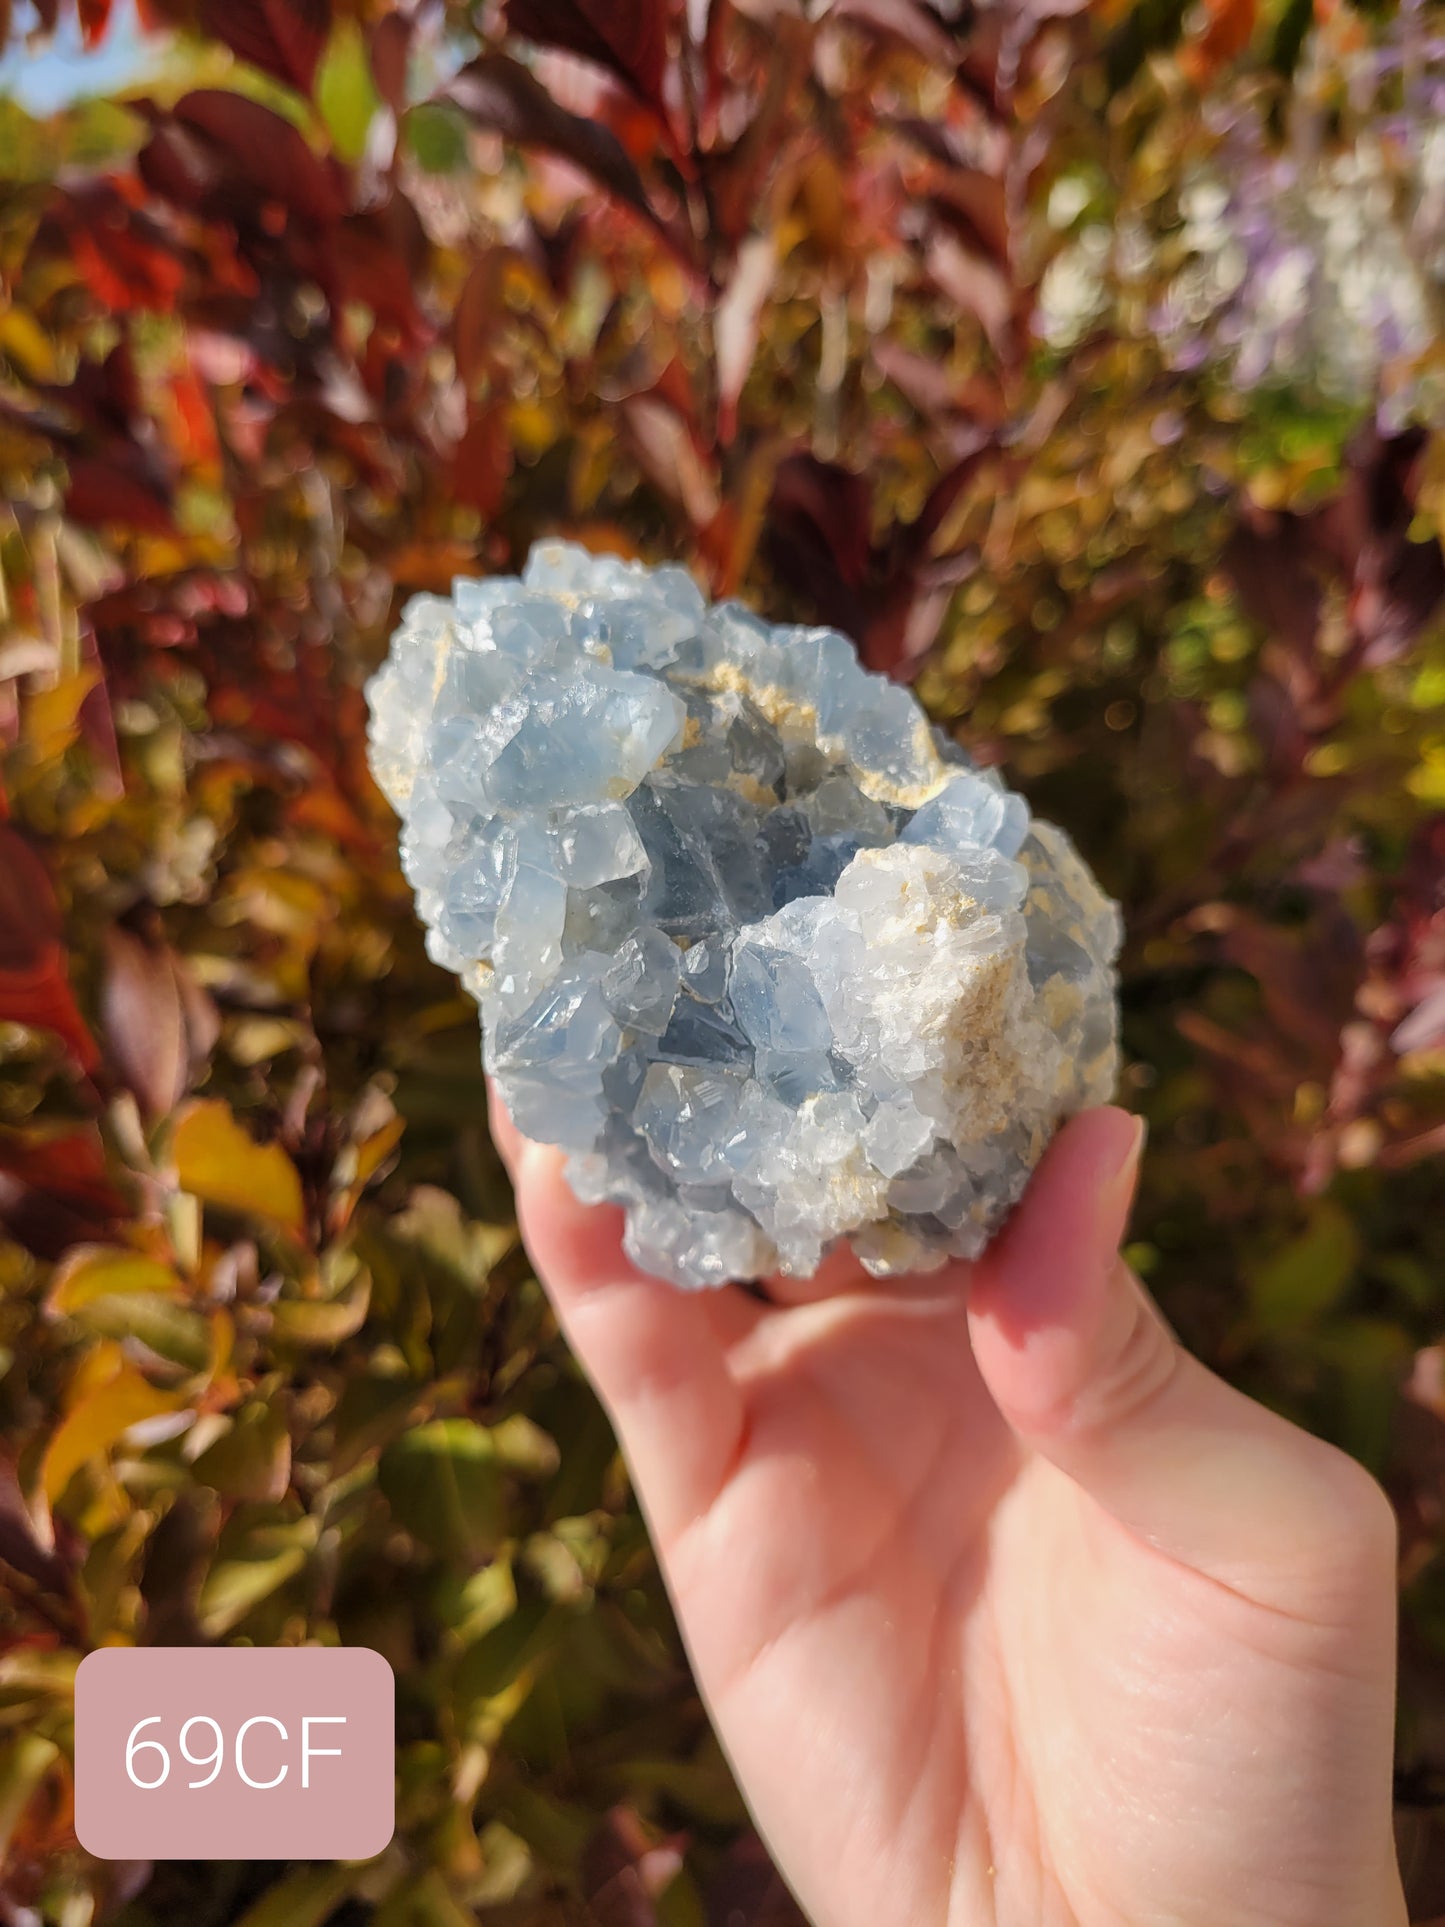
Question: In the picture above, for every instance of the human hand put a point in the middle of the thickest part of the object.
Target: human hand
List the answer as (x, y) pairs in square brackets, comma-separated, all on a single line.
[(1005, 1608)]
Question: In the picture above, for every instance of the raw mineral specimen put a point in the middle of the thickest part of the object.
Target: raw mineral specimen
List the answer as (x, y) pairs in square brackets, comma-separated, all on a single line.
[(751, 940)]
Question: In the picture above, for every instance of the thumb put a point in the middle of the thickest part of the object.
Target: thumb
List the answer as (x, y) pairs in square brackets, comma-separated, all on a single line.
[(1083, 1366)]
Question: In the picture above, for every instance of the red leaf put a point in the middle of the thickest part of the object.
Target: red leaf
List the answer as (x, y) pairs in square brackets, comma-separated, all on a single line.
[(738, 177), (24, 1543), (122, 488), (975, 205), (158, 1025), (1361, 538), (499, 93), (94, 19), (627, 37), (483, 460), (478, 313), (178, 166), (1228, 26), (125, 258), (889, 596), (265, 152), (56, 1192), (282, 37), (97, 725), (390, 43), (827, 511), (935, 390), (380, 262), (29, 915), (34, 987)]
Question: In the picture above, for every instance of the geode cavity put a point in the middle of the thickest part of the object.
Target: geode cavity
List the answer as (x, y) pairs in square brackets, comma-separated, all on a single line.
[(751, 940)]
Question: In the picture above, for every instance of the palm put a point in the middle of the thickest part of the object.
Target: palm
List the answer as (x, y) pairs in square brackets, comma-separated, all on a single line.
[(1039, 1694), (955, 1688)]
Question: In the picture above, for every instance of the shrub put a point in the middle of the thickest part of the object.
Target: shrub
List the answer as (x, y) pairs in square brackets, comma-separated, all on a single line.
[(871, 313)]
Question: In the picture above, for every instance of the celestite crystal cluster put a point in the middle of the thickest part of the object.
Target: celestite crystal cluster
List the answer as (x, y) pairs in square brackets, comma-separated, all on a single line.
[(751, 940)]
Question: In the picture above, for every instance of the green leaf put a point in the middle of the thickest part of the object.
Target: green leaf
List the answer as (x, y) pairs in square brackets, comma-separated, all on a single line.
[(524, 1448), (232, 1589), (437, 138), (1370, 1358), (308, 1897), (324, 1321), (444, 1484), (171, 1331), (234, 1586), (423, 1902), (472, 1606), (506, 1863), (494, 1663), (1288, 38), (680, 1904), (1310, 1274), (556, 1831), (252, 1460), (374, 1406), (703, 1788), (345, 91)]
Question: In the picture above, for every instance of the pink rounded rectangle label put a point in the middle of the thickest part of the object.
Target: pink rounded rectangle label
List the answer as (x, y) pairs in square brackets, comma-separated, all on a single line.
[(234, 1753)]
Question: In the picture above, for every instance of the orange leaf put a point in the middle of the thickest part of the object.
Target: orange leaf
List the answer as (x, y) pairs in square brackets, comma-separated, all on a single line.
[(34, 988), (1228, 29)]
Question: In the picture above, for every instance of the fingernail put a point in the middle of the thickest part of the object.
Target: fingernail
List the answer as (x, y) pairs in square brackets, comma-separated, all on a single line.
[(1118, 1188)]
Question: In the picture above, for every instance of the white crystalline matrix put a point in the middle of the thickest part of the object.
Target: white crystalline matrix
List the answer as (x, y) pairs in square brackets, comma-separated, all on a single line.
[(751, 940)]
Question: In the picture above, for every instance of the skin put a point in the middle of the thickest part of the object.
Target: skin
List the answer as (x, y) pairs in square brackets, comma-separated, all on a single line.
[(1006, 1609)]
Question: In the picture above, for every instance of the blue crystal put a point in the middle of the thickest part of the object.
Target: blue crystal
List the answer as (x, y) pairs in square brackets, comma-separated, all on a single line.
[(751, 939)]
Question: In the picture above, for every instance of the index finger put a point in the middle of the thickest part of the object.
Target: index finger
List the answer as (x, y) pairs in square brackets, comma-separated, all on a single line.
[(656, 1354)]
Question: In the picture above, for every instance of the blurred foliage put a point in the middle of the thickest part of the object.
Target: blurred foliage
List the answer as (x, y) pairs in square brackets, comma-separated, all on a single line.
[(351, 297)]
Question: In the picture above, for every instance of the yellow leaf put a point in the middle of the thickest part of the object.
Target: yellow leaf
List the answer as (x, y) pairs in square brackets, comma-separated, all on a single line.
[(95, 1368), (95, 1423), (52, 716), (101, 1271), (369, 1156), (282, 901), (223, 1343), (23, 1766), (218, 1162), (26, 342), (372, 1150), (30, 1669), (1428, 780)]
